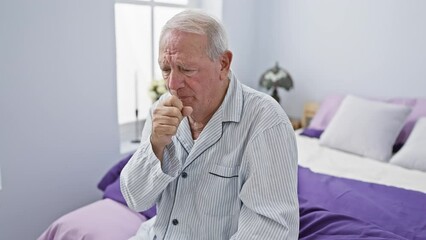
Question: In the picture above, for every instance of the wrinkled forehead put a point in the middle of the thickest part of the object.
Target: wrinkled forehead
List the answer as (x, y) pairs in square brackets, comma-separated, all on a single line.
[(183, 43)]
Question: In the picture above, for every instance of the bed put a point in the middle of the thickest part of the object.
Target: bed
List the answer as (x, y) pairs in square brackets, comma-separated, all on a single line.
[(361, 175)]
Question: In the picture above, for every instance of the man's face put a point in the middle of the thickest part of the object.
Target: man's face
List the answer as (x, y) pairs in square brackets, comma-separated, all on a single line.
[(188, 71)]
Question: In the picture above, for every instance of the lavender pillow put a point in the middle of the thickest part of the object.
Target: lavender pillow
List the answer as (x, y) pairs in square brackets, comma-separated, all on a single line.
[(326, 112), (323, 116)]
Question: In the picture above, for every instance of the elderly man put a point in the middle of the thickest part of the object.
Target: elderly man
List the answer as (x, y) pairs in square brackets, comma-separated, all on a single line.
[(217, 157)]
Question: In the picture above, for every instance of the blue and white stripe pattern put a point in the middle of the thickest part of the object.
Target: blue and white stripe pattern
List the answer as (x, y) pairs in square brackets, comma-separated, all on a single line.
[(237, 181)]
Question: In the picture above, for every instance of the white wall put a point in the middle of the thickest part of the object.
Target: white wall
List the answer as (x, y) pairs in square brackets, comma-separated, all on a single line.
[(240, 18), (336, 46), (212, 7), (58, 127)]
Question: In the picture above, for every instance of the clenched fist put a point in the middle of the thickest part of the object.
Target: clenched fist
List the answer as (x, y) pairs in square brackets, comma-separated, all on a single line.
[(165, 122)]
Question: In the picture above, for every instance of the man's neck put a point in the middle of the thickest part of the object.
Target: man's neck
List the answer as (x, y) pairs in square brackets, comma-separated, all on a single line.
[(197, 126), (197, 123)]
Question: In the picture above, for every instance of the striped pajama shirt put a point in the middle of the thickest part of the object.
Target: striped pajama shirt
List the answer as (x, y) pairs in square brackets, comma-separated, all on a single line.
[(237, 181)]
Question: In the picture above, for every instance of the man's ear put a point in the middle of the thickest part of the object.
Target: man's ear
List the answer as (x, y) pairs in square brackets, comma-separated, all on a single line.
[(225, 64)]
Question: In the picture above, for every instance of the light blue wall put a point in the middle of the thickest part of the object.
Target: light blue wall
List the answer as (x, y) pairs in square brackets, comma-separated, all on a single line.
[(334, 46), (58, 131)]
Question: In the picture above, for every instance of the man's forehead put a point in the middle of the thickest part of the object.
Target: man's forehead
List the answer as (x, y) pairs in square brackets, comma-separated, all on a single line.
[(181, 59), (176, 41)]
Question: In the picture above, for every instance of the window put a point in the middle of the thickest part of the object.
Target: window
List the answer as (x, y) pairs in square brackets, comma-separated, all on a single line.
[(138, 25)]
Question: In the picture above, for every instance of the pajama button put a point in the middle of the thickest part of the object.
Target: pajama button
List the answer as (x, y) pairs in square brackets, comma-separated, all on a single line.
[(175, 222), (184, 175)]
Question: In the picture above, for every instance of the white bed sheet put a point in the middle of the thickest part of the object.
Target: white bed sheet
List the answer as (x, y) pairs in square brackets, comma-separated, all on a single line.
[(342, 164)]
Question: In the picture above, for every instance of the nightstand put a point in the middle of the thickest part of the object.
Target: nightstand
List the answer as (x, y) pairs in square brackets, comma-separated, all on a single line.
[(296, 123), (309, 110)]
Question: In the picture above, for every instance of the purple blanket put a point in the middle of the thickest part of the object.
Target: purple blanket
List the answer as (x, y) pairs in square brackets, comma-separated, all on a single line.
[(335, 208), (338, 208)]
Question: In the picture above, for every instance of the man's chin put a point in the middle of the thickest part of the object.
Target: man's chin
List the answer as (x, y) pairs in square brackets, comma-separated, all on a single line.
[(187, 101)]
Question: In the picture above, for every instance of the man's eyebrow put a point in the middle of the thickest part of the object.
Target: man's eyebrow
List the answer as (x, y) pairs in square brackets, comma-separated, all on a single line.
[(188, 64), (162, 61)]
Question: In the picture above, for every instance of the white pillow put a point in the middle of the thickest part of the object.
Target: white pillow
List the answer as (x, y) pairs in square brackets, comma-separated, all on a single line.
[(365, 127), (413, 154)]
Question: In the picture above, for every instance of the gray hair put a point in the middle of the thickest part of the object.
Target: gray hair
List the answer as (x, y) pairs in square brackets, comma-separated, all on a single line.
[(198, 22)]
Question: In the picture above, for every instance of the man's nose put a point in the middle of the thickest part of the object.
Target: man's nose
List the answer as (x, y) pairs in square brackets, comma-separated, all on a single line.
[(176, 80)]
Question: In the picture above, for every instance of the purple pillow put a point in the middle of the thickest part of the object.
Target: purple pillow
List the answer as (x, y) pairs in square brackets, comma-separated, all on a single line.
[(113, 192), (418, 111), (113, 173), (110, 185), (311, 132)]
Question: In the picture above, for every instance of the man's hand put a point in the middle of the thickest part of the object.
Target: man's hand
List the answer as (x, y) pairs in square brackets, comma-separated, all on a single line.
[(165, 122)]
